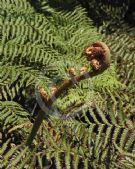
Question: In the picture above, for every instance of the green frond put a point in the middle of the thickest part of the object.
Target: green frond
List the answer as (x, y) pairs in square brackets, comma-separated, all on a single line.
[(15, 80), (12, 114), (94, 126)]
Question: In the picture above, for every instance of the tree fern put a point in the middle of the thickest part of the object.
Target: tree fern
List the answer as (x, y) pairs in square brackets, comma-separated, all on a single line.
[(39, 42)]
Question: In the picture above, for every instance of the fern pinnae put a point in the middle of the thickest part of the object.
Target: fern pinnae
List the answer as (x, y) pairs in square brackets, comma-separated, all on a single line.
[(124, 137), (129, 163), (52, 140), (116, 134), (85, 138), (24, 5), (68, 159), (4, 147), (86, 164), (26, 50), (32, 159), (104, 155), (98, 137), (58, 160), (8, 90), (101, 114), (10, 114), (86, 118), (24, 162), (75, 161), (130, 141), (9, 155), (98, 151), (4, 116), (27, 37), (94, 117), (90, 133), (107, 136), (125, 153), (4, 93)]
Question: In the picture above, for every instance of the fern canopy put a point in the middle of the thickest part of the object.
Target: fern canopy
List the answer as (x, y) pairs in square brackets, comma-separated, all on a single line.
[(39, 41)]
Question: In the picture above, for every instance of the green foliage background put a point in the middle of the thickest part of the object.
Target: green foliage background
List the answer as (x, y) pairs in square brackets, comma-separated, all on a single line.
[(39, 41)]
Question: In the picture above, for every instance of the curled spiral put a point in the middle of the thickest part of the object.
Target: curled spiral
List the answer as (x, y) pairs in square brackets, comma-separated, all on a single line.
[(98, 54)]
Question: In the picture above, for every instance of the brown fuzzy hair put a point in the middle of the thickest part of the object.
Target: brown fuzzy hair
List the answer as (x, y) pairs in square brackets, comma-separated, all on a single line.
[(98, 54)]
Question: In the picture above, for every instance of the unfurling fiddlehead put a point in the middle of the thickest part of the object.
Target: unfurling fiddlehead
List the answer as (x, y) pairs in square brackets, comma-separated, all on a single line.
[(98, 54)]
